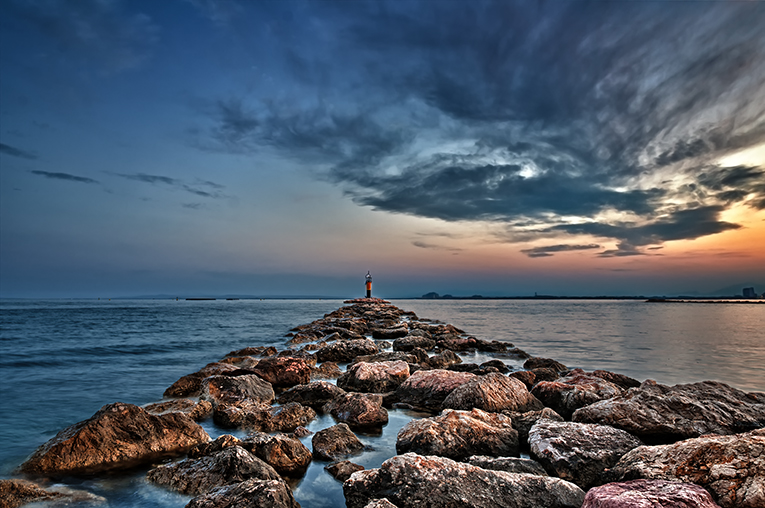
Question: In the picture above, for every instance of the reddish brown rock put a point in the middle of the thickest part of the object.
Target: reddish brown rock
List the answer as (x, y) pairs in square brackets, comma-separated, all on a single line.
[(526, 376), (578, 452), (509, 464), (576, 390), (242, 362), (390, 333), (443, 360), (427, 389), (198, 476), (270, 493), (413, 481), (213, 447), (387, 356), (412, 341), (191, 384), (378, 377), (262, 351), (341, 471), (15, 493), (620, 380), (731, 468), (314, 394), (545, 374), (544, 363), (459, 434), (257, 416), (358, 410), (195, 410), (286, 454), (346, 350), (118, 436), (492, 392), (522, 422), (664, 414), (336, 442), (283, 372), (220, 389), (327, 370), (648, 494)]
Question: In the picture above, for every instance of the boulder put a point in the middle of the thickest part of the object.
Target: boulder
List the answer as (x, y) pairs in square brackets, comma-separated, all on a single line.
[(526, 376), (198, 476), (358, 410), (343, 470), (242, 362), (195, 410), (346, 350), (286, 454), (459, 434), (545, 374), (544, 363), (271, 493), (336, 442), (218, 389), (283, 372), (497, 364), (664, 414), (213, 447), (191, 384), (427, 389), (522, 422), (327, 370), (412, 480), (577, 389), (378, 377), (390, 333), (731, 468), (15, 493), (578, 452), (380, 503), (620, 380), (262, 417), (386, 356), (492, 392), (314, 394), (412, 341), (118, 436), (443, 360), (648, 494), (262, 351), (509, 464)]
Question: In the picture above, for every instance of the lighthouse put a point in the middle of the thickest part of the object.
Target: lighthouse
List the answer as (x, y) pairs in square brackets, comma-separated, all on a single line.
[(368, 285)]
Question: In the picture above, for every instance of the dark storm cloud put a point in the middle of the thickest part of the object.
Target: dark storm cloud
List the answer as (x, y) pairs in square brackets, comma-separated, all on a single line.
[(525, 113), (64, 176), (177, 184), (98, 31), (16, 152), (549, 250)]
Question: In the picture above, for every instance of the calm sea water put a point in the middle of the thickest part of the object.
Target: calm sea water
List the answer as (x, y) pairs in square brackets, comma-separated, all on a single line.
[(61, 360)]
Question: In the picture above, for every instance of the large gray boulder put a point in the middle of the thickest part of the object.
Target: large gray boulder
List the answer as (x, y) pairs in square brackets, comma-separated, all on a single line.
[(221, 389), (413, 480), (578, 389), (661, 414), (460, 434), (427, 389), (492, 392), (359, 410), (346, 350), (508, 464), (336, 442), (261, 417), (118, 436), (270, 493), (731, 468), (578, 452)]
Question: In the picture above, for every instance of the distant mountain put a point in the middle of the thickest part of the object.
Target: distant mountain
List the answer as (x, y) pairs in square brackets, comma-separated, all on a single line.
[(737, 289)]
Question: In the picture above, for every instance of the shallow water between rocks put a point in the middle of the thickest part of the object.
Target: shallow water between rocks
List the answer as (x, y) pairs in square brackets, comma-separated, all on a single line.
[(61, 360)]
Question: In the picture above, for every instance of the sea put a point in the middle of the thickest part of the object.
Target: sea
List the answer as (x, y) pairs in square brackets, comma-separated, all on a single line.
[(62, 360)]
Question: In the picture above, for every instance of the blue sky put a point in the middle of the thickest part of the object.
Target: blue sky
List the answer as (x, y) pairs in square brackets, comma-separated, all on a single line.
[(287, 147)]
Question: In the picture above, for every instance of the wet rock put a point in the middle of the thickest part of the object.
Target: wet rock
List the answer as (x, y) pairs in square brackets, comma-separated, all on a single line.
[(358, 410), (578, 452), (283, 372), (427, 389), (443, 360), (544, 363), (336, 442), (198, 476), (308, 358), (545, 374), (286, 454), (242, 362), (118, 436), (390, 333), (459, 434), (492, 392), (379, 377), (341, 471), (389, 356), (663, 414), (412, 480), (346, 350), (195, 410), (412, 341), (509, 464), (271, 493), (191, 384), (301, 432), (261, 351), (15, 493), (731, 468), (420, 354), (472, 368), (497, 364), (261, 417), (577, 389), (327, 370), (380, 503), (525, 376), (314, 394), (219, 389), (454, 342), (493, 346), (522, 422), (213, 447), (648, 494), (620, 380)]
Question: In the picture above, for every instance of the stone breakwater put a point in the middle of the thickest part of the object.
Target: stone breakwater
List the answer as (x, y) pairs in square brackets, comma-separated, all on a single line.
[(595, 439)]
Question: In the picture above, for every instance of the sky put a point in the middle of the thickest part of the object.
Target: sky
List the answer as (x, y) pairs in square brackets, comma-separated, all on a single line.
[(280, 147)]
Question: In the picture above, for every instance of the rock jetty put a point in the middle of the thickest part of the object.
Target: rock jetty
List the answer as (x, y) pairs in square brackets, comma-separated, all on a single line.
[(597, 439)]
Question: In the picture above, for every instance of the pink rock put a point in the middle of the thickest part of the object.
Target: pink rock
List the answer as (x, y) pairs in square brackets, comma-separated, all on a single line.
[(649, 494)]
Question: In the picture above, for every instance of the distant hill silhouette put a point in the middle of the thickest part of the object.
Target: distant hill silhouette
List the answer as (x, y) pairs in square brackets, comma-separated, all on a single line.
[(737, 289)]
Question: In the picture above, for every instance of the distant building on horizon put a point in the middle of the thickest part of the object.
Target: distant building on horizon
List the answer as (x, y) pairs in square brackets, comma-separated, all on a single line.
[(749, 293)]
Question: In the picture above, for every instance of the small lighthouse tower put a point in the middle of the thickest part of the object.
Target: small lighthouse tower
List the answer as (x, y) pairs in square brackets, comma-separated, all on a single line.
[(368, 285)]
